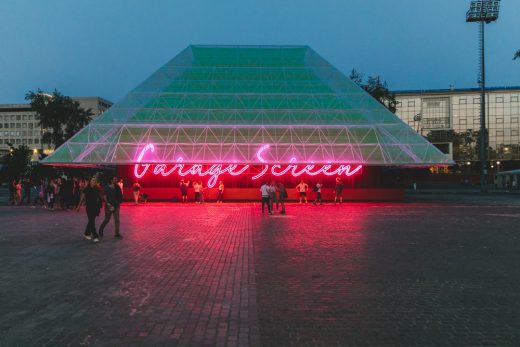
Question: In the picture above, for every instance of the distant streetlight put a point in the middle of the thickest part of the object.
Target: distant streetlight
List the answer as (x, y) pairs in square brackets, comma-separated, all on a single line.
[(45, 96), (483, 11), (417, 119)]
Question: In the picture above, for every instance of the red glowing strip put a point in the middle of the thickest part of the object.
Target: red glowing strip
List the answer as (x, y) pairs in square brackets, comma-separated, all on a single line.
[(215, 170)]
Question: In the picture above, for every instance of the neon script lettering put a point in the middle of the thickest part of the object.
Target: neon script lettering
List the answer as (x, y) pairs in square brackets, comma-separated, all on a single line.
[(216, 170)]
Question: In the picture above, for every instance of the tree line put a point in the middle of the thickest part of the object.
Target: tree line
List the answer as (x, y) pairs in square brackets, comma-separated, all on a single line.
[(59, 117)]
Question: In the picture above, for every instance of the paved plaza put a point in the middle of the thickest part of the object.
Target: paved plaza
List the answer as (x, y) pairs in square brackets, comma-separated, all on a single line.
[(368, 274)]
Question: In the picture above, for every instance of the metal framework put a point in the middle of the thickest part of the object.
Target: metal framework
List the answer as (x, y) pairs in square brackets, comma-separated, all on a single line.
[(222, 104)]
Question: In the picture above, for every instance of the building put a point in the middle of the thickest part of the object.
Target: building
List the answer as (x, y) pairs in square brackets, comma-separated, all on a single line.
[(450, 118), (18, 123), (246, 114)]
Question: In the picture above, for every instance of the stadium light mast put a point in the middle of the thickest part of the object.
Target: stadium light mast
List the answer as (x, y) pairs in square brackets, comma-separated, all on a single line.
[(483, 12)]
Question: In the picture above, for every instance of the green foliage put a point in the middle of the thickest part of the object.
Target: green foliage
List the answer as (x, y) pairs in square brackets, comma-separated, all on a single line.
[(59, 116), (16, 163), (377, 88)]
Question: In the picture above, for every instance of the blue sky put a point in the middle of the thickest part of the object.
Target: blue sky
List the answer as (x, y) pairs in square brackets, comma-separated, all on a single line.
[(107, 47)]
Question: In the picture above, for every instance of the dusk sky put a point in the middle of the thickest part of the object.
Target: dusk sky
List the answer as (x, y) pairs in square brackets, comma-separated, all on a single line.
[(106, 48)]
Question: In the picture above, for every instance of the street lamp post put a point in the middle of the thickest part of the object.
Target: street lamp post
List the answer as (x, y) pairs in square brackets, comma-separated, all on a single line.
[(45, 97), (483, 12)]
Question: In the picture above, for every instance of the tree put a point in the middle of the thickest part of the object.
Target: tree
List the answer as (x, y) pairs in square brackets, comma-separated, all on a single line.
[(59, 116), (517, 55), (377, 88), (16, 163)]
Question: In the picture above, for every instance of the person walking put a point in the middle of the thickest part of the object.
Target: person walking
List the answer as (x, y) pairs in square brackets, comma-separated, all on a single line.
[(26, 191), (317, 190), (338, 190), (282, 193), (91, 196), (264, 190), (18, 193), (220, 196), (183, 186), (12, 192), (39, 193), (302, 190), (113, 197), (137, 191), (50, 192)]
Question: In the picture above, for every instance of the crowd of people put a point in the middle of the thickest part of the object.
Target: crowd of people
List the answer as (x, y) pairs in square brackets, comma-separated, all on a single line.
[(52, 193), (71, 193), (274, 194)]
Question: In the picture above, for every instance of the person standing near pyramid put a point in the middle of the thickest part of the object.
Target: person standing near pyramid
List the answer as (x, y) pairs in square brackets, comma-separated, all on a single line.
[(183, 186), (302, 190), (338, 190)]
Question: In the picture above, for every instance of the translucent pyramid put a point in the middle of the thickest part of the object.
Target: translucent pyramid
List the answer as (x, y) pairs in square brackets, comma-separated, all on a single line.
[(222, 104)]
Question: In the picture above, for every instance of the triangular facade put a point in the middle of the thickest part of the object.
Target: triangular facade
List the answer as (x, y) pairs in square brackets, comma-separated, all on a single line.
[(222, 104)]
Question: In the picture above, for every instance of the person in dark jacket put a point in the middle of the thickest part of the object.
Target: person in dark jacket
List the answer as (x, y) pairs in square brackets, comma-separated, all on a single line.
[(113, 197), (91, 195)]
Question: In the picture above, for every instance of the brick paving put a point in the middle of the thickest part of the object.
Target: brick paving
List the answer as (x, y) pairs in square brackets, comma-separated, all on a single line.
[(424, 274)]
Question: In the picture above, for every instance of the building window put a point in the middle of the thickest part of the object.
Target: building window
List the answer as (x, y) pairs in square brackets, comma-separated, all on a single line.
[(1, 125), (30, 141), (6, 125), (24, 125), (500, 120), (18, 141), (514, 132), (12, 117), (411, 103), (462, 101), (18, 117), (30, 125), (499, 99), (476, 100), (514, 98), (30, 117), (500, 133), (462, 122), (18, 125), (36, 141), (514, 119)]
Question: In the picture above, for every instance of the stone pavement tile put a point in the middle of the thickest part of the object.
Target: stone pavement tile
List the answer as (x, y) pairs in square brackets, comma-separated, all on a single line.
[(388, 274), (176, 276), (424, 274)]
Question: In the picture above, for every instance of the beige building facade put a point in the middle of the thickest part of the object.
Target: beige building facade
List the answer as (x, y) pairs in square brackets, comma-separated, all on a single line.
[(19, 125), (451, 119)]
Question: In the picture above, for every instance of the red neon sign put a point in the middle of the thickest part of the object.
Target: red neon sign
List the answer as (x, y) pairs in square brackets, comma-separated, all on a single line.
[(215, 170)]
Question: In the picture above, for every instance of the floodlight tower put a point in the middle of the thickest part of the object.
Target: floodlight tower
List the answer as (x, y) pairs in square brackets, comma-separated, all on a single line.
[(483, 12)]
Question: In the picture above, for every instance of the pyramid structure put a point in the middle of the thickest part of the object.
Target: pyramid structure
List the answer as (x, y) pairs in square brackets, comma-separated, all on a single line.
[(222, 104)]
